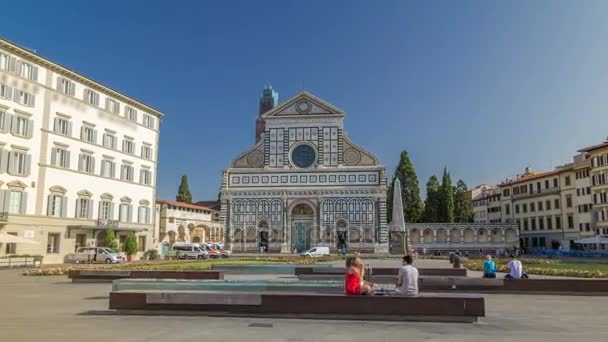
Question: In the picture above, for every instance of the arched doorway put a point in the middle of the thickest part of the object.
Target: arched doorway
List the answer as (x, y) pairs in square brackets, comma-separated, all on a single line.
[(101, 239), (198, 235), (302, 219), (442, 236), (341, 232), (263, 236)]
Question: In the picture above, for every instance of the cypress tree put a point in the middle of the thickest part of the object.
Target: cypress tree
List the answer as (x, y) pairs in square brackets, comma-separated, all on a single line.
[(446, 210), (433, 201), (410, 191), (183, 192), (463, 204)]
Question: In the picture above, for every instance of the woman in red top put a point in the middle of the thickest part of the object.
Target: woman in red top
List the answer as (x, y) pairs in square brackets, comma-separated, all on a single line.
[(353, 281)]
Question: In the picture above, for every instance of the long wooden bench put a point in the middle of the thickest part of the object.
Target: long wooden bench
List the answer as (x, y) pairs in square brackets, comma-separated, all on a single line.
[(426, 307), (384, 271), (577, 287), (107, 276)]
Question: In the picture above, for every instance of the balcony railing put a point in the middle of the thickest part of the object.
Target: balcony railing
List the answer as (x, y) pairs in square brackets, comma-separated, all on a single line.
[(102, 223), (3, 216)]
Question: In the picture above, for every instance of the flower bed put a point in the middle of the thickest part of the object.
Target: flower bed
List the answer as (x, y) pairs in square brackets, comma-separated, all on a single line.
[(178, 265), (548, 267)]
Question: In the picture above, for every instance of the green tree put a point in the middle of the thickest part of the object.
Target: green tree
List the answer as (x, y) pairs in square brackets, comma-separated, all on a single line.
[(130, 244), (446, 208), (111, 240), (463, 204), (433, 200), (183, 192), (410, 190)]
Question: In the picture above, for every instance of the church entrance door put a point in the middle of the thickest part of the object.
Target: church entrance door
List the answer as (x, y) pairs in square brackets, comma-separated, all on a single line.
[(301, 235), (302, 218)]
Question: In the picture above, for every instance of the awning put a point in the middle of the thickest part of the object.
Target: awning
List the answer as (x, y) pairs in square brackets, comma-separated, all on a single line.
[(9, 238), (592, 240)]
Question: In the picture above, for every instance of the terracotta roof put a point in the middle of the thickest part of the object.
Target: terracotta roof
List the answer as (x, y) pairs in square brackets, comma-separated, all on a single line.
[(594, 147), (182, 204), (529, 177)]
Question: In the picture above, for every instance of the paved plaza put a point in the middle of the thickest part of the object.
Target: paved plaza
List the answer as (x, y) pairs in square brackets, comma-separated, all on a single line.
[(53, 309)]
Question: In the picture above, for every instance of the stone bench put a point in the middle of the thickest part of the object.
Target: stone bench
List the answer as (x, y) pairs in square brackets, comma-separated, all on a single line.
[(582, 287), (384, 271), (426, 307), (107, 276)]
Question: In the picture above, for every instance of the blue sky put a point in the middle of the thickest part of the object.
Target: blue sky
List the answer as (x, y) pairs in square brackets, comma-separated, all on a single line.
[(482, 87)]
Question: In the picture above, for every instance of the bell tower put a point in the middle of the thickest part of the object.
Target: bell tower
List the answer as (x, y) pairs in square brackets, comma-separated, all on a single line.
[(268, 100)]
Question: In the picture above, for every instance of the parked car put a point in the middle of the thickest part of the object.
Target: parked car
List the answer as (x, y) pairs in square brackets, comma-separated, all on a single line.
[(190, 251), (316, 252), (97, 255)]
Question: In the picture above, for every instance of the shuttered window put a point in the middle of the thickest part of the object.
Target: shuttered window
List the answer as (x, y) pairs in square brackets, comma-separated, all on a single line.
[(86, 163), (24, 98), (112, 106), (5, 91), (91, 97), (66, 86), (60, 157), (130, 113), (88, 134), (19, 163), (29, 71)]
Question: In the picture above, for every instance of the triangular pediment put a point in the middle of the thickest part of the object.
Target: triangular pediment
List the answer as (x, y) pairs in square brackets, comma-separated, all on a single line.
[(303, 104)]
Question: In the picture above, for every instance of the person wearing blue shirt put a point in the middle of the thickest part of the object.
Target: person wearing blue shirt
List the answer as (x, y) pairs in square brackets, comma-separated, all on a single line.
[(489, 267)]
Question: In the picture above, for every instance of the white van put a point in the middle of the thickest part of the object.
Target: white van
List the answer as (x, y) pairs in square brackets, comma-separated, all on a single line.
[(190, 251), (97, 255), (316, 252)]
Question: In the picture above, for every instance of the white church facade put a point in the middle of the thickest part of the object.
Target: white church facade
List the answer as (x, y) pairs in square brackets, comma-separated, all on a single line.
[(303, 184)]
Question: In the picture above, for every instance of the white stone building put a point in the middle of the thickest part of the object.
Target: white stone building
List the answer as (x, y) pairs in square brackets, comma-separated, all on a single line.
[(304, 183), (597, 174), (76, 158), (183, 222), (479, 197)]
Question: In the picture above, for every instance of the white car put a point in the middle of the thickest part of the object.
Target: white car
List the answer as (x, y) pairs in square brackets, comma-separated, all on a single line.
[(316, 252)]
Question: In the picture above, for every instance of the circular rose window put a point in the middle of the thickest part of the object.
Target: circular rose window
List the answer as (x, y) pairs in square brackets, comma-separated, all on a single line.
[(303, 156)]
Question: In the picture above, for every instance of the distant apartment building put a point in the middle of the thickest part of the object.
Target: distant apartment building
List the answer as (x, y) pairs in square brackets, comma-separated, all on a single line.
[(554, 208), (480, 197), (598, 182), (76, 158)]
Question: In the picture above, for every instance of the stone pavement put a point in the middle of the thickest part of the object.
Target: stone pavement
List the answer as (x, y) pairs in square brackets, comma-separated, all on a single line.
[(51, 309)]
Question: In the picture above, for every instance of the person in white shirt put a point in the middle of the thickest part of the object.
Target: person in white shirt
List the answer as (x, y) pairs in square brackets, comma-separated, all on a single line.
[(407, 279), (515, 268)]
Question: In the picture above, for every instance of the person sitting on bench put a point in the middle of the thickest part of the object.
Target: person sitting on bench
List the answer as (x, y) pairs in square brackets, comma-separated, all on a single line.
[(407, 279), (353, 281), (489, 267), (516, 270)]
